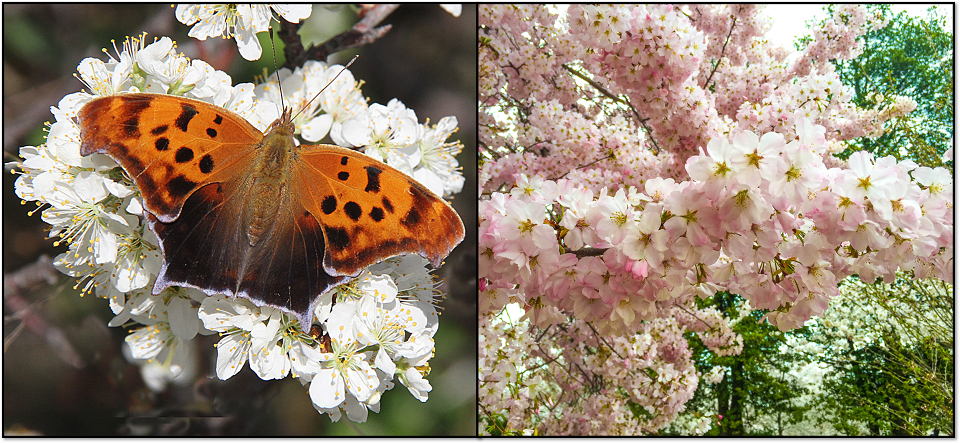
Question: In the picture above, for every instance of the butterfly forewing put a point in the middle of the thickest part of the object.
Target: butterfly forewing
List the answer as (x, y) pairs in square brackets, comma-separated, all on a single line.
[(170, 146), (370, 211)]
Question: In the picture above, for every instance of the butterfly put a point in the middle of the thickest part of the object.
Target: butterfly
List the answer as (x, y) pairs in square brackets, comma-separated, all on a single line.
[(252, 214)]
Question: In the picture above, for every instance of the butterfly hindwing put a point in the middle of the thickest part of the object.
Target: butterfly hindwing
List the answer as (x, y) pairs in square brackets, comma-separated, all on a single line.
[(206, 248), (289, 274)]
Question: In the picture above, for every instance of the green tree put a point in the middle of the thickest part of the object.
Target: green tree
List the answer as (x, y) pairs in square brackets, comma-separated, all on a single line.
[(909, 57), (899, 379), (756, 396)]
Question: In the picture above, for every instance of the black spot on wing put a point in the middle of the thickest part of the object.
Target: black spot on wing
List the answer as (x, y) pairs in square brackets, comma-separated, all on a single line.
[(180, 186), (412, 218), (343, 175), (146, 181), (184, 155), (353, 210), (387, 205), (373, 179), (187, 113), (420, 200), (159, 130), (206, 164), (218, 119), (130, 128), (343, 160), (328, 205), (162, 144), (337, 238), (376, 214), (212, 132)]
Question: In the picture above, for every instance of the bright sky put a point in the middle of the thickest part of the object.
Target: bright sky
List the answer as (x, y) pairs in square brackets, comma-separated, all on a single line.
[(789, 21)]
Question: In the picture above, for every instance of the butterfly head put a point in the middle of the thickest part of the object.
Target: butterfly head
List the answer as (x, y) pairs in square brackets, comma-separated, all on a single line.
[(283, 125)]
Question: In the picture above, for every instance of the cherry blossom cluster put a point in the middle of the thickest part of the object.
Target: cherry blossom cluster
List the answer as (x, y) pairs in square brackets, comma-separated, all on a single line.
[(569, 380), (686, 75), (380, 326), (760, 217), (713, 329)]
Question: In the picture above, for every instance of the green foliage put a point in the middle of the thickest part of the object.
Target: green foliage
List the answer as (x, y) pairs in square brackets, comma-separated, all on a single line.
[(496, 426), (755, 384), (888, 395), (909, 57), (902, 382)]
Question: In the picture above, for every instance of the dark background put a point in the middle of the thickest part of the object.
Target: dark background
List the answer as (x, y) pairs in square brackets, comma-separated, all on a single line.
[(63, 368)]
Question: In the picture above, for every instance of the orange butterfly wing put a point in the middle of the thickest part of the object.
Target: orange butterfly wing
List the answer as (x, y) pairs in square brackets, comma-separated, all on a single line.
[(370, 211), (170, 146)]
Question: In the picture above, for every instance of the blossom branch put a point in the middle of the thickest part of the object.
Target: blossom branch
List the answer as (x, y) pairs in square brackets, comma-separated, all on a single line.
[(597, 86), (722, 50), (40, 271), (603, 339), (588, 252), (362, 33), (606, 157)]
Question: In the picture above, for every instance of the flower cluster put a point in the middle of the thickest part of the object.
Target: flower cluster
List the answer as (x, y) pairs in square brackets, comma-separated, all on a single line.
[(760, 217), (375, 329), (687, 76), (548, 376), (242, 22), (380, 326)]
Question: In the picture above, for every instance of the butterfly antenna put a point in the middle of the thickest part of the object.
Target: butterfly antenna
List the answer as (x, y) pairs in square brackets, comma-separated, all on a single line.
[(327, 85), (276, 70)]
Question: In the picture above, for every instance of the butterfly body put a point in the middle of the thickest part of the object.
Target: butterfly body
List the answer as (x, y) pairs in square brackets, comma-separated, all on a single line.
[(256, 215), (269, 174)]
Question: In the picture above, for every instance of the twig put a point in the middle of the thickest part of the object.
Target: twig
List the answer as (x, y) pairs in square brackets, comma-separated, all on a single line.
[(362, 33), (41, 271), (610, 156), (596, 85), (642, 121), (722, 50), (604, 340), (588, 252)]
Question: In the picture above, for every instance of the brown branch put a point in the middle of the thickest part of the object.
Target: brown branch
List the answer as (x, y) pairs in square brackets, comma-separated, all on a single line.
[(604, 340), (722, 50), (362, 33), (608, 157), (29, 276), (642, 121), (588, 252), (39, 272)]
